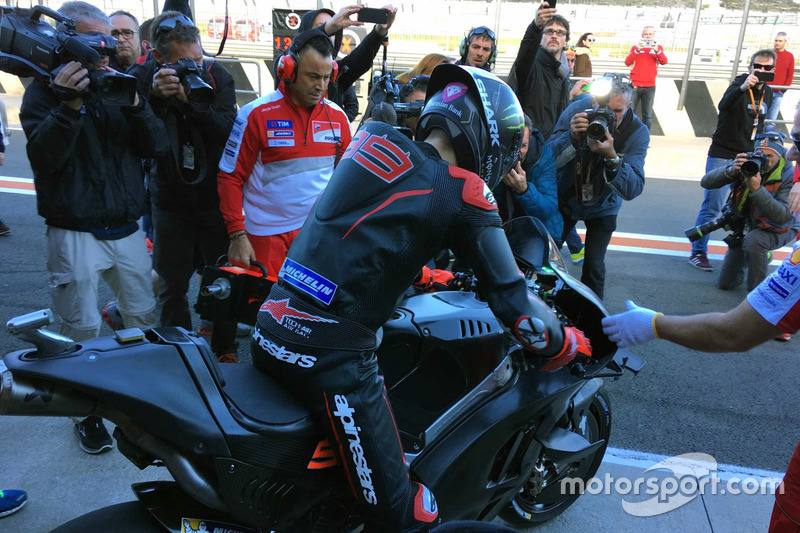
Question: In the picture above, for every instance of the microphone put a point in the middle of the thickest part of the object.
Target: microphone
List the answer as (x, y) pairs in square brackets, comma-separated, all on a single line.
[(385, 112)]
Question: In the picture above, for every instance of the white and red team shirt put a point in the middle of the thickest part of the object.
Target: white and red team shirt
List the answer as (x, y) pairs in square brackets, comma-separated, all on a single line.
[(279, 157), (777, 298)]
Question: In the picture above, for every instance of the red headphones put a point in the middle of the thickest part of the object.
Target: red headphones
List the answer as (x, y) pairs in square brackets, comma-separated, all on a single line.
[(288, 63)]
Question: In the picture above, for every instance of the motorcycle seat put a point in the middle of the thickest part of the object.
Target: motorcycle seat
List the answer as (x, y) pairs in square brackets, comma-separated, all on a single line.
[(261, 404)]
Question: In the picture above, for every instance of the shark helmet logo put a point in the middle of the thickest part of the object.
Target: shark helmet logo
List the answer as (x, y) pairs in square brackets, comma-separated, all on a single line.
[(453, 90)]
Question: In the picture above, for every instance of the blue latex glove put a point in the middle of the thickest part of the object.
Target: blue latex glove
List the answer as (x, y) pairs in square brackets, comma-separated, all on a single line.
[(634, 326)]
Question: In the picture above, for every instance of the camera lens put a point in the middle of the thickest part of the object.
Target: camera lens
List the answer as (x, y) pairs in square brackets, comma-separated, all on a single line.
[(597, 129), (198, 93), (751, 167)]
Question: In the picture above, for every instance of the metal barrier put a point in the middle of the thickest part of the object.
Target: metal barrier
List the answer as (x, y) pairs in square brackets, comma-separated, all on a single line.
[(258, 64)]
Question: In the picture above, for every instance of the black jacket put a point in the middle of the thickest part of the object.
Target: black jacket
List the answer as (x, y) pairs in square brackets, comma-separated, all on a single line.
[(205, 131), (540, 82), (735, 122), (380, 226), (87, 164)]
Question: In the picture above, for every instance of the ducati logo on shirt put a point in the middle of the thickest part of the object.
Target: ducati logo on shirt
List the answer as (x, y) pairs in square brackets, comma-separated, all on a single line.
[(326, 132)]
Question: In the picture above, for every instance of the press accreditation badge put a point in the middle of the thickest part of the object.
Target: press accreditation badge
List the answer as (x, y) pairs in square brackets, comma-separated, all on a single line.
[(188, 156)]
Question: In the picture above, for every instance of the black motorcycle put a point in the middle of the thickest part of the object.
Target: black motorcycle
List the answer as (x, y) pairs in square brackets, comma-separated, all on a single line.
[(489, 428)]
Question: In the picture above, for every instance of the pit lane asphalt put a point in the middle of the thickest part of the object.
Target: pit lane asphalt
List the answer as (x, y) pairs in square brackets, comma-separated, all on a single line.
[(739, 408)]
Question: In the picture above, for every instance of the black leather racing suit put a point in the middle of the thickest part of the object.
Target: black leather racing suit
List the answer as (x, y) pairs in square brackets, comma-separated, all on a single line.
[(390, 206)]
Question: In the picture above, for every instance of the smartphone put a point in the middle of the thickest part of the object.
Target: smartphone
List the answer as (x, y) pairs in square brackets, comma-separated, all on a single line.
[(552, 3), (371, 14), (764, 76)]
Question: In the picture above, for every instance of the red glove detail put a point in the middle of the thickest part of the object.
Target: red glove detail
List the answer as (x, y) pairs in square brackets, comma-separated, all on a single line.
[(433, 280), (575, 342)]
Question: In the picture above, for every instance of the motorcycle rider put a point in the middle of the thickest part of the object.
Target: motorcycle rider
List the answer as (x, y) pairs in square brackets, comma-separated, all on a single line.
[(390, 206)]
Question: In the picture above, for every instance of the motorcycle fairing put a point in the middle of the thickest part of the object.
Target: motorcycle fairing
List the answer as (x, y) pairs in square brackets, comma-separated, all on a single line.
[(121, 377), (443, 344), (488, 457)]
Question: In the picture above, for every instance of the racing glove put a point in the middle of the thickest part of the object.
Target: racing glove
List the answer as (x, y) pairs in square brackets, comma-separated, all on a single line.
[(637, 325), (433, 279)]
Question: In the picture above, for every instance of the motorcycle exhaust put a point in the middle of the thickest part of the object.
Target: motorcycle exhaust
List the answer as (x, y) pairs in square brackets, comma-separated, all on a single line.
[(34, 397)]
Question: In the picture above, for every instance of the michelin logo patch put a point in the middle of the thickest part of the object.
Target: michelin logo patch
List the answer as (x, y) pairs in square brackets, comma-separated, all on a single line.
[(308, 281)]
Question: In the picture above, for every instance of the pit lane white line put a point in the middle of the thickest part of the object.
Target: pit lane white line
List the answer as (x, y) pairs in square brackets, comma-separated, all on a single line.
[(645, 460)]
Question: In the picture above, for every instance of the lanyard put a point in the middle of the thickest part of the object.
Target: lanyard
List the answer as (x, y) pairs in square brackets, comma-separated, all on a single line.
[(756, 111)]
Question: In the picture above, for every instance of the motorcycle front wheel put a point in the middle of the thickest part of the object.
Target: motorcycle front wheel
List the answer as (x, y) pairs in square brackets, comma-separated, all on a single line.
[(541, 499)]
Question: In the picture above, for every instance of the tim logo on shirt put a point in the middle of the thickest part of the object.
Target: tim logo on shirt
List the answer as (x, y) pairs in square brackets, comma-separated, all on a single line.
[(326, 132)]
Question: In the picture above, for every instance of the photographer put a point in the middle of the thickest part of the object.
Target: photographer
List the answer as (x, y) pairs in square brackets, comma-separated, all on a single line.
[(86, 160), (599, 167), (183, 182), (742, 110), (540, 75), (761, 200), (645, 57)]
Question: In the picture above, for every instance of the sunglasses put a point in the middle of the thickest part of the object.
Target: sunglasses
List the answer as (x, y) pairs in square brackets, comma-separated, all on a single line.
[(480, 31), (551, 31), (763, 67), (168, 24)]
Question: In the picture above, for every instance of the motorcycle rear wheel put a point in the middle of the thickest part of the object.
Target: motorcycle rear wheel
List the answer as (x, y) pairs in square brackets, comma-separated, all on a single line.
[(524, 510)]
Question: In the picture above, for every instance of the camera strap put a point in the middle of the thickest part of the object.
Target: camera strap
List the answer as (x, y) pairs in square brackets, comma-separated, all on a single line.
[(190, 153), (589, 167)]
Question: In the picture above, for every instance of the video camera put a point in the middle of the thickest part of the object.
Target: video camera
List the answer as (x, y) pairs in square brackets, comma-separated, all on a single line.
[(199, 94), (31, 47), (388, 87)]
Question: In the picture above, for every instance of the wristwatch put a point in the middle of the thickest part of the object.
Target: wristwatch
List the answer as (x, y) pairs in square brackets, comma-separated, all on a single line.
[(611, 163)]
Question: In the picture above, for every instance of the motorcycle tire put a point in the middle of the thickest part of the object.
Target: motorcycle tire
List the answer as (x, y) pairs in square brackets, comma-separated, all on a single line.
[(524, 511), (128, 517)]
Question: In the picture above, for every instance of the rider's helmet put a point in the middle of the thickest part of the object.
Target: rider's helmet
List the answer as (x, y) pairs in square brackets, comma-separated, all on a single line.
[(481, 115)]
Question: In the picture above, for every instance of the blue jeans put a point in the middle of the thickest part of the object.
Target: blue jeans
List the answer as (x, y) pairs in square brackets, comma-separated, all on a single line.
[(774, 109), (645, 95), (712, 203)]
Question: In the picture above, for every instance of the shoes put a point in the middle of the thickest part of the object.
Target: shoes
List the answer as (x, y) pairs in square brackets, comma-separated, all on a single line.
[(12, 501), (228, 358), (786, 337), (4, 229), (699, 260), (206, 329), (577, 258), (112, 317), (93, 436)]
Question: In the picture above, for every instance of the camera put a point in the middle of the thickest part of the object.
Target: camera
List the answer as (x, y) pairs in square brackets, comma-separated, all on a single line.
[(649, 43), (599, 119), (387, 90), (31, 47), (729, 219), (199, 94), (756, 162)]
